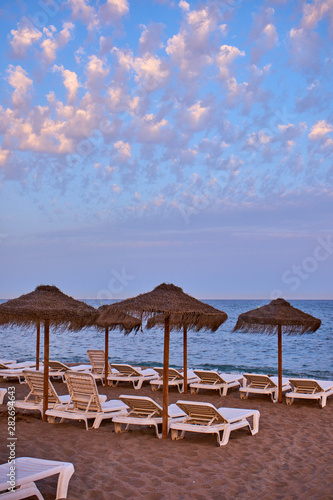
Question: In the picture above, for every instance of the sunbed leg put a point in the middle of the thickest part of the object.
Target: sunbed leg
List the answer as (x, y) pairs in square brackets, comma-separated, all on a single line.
[(175, 435), (194, 390), (51, 420), (225, 436), (289, 401), (138, 385), (63, 481), (274, 396), (244, 395), (322, 400)]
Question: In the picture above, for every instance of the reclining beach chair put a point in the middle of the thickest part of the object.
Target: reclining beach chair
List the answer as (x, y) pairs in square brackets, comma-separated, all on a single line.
[(303, 388), (205, 418), (7, 373), (34, 400), (58, 369), (145, 411), (262, 384), (128, 373), (27, 471), (176, 378), (217, 381), (4, 361), (85, 402), (97, 360), (3, 392)]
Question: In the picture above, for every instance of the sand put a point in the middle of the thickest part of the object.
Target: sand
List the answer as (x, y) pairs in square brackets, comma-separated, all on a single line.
[(290, 458)]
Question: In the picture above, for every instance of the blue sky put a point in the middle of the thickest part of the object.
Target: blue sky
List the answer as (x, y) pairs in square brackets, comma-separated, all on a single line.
[(155, 141)]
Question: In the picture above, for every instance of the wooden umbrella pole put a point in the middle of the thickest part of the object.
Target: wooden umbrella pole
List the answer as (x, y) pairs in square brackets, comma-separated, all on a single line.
[(280, 362), (106, 369), (46, 368), (185, 357), (37, 345), (166, 375)]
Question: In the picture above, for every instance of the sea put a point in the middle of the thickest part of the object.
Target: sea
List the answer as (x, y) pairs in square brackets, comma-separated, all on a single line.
[(307, 355)]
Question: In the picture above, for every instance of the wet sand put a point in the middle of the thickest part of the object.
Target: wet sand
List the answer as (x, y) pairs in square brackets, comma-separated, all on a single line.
[(290, 458)]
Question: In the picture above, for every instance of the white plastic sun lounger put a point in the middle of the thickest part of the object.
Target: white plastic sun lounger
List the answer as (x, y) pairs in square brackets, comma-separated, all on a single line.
[(34, 400), (7, 373), (303, 388), (85, 402), (58, 369), (176, 378), (217, 381), (205, 418), (4, 361), (128, 373), (254, 383), (145, 411), (3, 392), (97, 360), (27, 471)]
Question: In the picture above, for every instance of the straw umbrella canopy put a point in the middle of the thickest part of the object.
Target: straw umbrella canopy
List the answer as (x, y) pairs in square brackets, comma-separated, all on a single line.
[(168, 299), (277, 317), (49, 305), (120, 320)]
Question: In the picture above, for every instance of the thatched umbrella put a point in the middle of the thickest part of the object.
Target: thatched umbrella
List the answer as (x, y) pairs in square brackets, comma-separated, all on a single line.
[(169, 300), (120, 320), (49, 305), (277, 316)]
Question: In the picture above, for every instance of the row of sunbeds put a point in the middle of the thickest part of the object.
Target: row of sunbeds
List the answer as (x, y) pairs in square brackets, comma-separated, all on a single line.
[(247, 383), (84, 403)]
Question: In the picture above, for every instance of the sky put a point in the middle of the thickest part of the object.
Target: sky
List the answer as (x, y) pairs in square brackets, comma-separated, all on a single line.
[(151, 141)]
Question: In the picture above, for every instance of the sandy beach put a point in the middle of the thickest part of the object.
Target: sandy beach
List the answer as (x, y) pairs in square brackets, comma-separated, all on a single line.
[(290, 457)]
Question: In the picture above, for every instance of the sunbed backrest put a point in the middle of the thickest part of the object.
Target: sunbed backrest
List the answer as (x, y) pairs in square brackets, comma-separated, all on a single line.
[(259, 381), (35, 381), (209, 377), (204, 413), (58, 366), (127, 370), (97, 361), (306, 386), (173, 374), (83, 391), (141, 406)]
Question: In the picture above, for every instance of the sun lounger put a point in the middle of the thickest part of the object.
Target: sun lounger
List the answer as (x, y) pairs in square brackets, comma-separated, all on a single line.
[(97, 360), (176, 378), (4, 361), (8, 373), (27, 471), (34, 400), (58, 369), (217, 381), (144, 411), (128, 373), (205, 418), (302, 388), (85, 402), (254, 383), (3, 392)]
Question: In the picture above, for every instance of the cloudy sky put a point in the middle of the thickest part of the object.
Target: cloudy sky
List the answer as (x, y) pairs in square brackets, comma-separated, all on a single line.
[(149, 141)]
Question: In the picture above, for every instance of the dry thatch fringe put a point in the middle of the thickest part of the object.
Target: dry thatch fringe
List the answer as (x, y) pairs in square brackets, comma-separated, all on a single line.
[(169, 299), (119, 320), (47, 303), (266, 319), (196, 322)]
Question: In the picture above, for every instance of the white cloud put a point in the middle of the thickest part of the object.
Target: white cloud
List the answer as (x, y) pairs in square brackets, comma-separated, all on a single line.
[(52, 43), (18, 79), (225, 58), (319, 130), (123, 149), (4, 154), (96, 72), (70, 81), (184, 5), (112, 11), (23, 38)]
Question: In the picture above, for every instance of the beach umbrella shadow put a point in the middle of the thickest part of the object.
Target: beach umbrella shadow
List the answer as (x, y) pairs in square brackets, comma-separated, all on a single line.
[(48, 305), (279, 316), (179, 310)]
